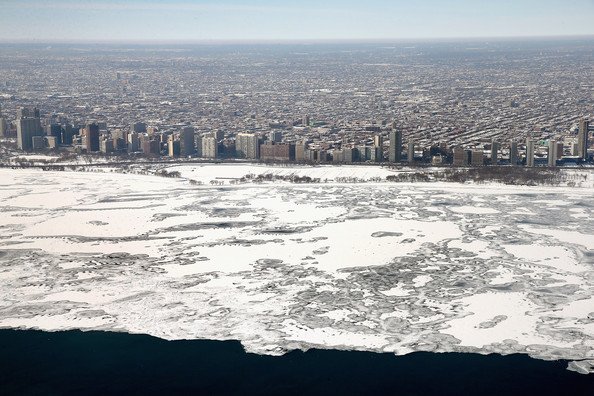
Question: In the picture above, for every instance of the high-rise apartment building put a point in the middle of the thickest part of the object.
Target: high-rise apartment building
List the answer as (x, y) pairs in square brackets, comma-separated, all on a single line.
[(461, 157), (583, 139), (411, 153), (247, 145), (513, 153), (374, 154), (559, 150), (28, 126), (91, 136), (55, 130), (3, 125), (300, 150), (210, 147), (198, 144), (529, 152), (477, 158), (494, 152), (277, 152), (395, 146), (67, 133), (106, 146), (378, 143), (172, 146), (552, 154), (186, 142), (133, 142), (150, 146)]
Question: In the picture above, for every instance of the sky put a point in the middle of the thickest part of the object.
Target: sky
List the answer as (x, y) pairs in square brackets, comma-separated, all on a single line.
[(294, 20)]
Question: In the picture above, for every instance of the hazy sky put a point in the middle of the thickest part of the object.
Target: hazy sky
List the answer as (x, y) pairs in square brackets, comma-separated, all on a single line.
[(150, 20)]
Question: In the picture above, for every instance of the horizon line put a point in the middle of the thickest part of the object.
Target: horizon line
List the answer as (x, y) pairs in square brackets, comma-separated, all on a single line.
[(304, 41)]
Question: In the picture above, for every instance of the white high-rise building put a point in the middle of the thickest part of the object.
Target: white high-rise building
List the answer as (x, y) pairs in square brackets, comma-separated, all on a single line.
[(247, 145), (210, 148)]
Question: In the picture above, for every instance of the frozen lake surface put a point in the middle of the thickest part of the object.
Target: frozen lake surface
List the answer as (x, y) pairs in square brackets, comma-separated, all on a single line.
[(280, 266)]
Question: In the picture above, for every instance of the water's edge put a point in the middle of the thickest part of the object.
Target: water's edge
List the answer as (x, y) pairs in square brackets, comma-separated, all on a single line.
[(97, 362)]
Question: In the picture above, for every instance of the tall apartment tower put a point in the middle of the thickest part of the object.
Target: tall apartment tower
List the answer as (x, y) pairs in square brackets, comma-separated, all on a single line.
[(247, 145), (559, 150), (91, 134), (494, 152), (198, 144), (477, 157), (28, 126), (210, 148), (395, 154), (513, 153), (460, 156), (300, 150), (67, 133), (530, 152), (3, 125), (583, 139), (133, 142), (552, 155), (172, 146), (378, 143), (411, 152), (54, 130), (186, 142)]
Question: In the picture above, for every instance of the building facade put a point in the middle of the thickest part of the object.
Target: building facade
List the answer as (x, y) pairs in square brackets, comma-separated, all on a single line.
[(529, 152), (210, 147), (277, 152), (247, 145), (460, 156), (513, 153), (583, 139), (186, 142), (28, 126), (395, 154), (494, 152), (91, 134)]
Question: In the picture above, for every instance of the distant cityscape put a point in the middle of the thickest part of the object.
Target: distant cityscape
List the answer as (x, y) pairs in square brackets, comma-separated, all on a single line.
[(36, 133), (461, 103)]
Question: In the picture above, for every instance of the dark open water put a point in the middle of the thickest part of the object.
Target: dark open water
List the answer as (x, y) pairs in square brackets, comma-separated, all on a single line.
[(101, 363)]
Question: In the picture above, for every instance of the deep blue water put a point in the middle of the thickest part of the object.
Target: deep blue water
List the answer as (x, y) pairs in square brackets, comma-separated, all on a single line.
[(101, 363)]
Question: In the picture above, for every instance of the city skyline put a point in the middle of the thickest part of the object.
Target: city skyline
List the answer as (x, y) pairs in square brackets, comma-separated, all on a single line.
[(266, 20)]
